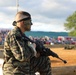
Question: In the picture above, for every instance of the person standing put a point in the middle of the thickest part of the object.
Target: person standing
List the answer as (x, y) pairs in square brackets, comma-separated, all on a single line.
[(20, 58)]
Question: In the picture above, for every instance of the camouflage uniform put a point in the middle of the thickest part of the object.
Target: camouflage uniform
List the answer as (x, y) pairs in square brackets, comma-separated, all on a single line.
[(19, 57)]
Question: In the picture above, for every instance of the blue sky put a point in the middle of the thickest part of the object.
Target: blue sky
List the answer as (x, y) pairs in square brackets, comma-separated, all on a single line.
[(47, 15)]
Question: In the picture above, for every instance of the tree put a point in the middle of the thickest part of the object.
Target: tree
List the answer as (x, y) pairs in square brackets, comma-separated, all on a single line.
[(70, 24)]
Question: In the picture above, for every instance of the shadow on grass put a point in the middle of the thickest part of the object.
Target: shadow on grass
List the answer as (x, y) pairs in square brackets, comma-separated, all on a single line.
[(68, 70)]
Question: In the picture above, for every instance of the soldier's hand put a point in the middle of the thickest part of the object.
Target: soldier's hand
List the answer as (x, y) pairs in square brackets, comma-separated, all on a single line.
[(37, 55)]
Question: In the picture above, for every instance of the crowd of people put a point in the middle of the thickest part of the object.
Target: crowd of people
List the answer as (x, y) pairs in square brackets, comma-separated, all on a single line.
[(45, 39), (3, 33)]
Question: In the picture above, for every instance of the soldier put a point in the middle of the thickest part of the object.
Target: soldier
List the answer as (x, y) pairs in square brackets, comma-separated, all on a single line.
[(20, 58)]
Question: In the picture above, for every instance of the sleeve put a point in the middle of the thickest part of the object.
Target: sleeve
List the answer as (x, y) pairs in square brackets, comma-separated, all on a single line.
[(20, 51)]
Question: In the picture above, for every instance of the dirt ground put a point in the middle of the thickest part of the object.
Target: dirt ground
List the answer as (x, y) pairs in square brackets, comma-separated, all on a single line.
[(58, 67), (68, 55)]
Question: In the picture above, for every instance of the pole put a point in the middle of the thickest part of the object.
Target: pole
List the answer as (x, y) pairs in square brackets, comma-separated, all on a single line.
[(17, 4)]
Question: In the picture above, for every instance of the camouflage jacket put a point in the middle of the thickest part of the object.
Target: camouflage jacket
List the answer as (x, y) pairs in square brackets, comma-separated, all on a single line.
[(16, 50)]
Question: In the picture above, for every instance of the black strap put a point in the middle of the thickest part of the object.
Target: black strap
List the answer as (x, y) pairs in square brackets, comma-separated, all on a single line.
[(14, 22), (24, 19)]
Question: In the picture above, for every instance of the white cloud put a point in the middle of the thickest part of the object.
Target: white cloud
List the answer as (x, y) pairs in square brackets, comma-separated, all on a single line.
[(47, 27), (5, 21), (49, 4), (7, 3), (47, 15)]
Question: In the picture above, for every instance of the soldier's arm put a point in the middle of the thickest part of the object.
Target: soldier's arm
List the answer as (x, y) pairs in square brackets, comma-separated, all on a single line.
[(20, 51)]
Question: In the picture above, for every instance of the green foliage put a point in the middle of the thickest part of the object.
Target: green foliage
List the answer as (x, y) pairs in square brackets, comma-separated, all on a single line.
[(70, 24)]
